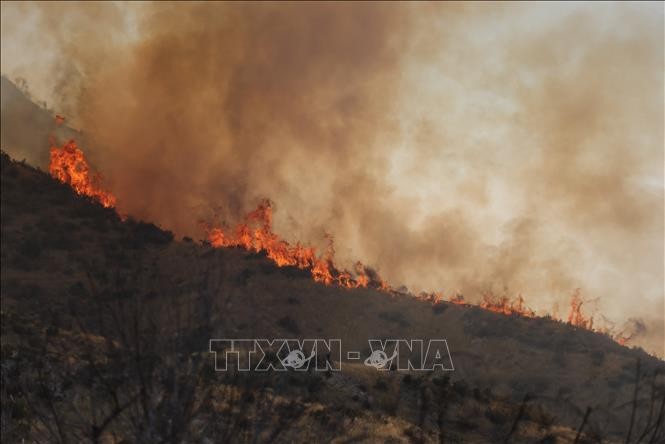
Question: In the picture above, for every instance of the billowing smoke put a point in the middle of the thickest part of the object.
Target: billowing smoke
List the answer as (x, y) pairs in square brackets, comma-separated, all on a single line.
[(505, 148)]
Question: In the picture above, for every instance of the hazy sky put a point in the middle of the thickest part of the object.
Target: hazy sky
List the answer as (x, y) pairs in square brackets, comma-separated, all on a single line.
[(467, 147)]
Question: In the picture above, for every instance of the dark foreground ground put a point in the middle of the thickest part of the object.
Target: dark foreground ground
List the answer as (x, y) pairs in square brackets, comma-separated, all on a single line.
[(106, 326)]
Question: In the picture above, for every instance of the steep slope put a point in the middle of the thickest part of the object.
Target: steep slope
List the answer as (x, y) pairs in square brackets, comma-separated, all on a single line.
[(122, 311), (25, 126)]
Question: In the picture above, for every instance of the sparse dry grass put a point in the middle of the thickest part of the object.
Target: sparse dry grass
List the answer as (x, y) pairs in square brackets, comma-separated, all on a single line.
[(56, 247)]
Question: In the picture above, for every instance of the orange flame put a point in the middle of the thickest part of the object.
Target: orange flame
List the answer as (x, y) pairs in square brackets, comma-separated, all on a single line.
[(255, 233), (68, 165), (579, 319), (506, 306), (623, 340), (457, 299), (575, 315)]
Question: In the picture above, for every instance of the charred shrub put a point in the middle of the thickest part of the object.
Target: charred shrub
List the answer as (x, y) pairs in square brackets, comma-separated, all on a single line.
[(86, 207), (396, 317), (461, 388), (441, 381), (147, 233), (381, 384), (468, 416), (439, 308), (58, 238), (244, 276), (253, 255), (267, 267), (540, 416), (289, 324), (597, 357), (294, 272), (414, 434), (8, 167), (30, 248), (314, 384), (497, 414)]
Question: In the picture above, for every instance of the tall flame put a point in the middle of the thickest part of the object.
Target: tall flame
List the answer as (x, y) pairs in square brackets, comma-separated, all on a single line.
[(575, 315), (68, 165)]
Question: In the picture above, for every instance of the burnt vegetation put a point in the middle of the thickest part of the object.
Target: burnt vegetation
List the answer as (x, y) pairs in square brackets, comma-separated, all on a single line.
[(106, 322)]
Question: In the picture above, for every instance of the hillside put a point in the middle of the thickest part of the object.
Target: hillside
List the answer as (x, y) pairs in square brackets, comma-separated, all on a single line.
[(25, 126), (106, 326)]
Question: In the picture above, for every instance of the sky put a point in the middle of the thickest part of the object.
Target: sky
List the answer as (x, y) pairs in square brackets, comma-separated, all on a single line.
[(464, 147)]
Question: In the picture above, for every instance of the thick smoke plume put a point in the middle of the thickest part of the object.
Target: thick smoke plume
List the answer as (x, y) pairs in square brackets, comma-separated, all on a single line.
[(472, 148)]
